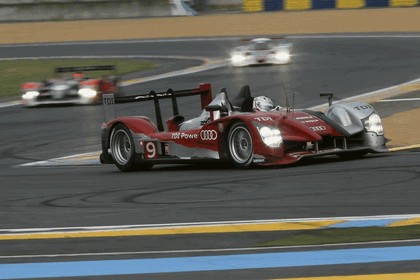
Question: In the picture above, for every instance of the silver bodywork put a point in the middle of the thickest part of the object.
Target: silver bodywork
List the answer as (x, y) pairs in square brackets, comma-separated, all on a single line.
[(353, 118), (350, 115)]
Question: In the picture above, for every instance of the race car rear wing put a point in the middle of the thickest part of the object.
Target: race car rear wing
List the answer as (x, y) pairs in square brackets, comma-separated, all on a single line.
[(85, 68), (204, 90)]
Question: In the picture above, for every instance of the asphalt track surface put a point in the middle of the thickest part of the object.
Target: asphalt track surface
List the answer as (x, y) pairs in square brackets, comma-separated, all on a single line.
[(49, 197)]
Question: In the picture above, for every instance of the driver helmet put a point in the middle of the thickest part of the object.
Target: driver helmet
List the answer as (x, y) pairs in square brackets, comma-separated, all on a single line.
[(262, 103)]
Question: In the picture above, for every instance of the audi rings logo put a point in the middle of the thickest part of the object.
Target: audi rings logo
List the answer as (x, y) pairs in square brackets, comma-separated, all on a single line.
[(318, 128), (208, 135)]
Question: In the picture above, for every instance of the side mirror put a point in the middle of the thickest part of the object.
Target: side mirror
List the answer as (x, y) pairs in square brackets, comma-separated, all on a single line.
[(224, 111), (214, 111), (328, 95)]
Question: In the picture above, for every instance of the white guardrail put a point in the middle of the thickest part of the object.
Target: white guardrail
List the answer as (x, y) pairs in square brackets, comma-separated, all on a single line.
[(41, 10)]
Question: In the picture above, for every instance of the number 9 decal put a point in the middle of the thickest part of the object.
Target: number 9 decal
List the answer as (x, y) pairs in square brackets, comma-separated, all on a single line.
[(150, 150)]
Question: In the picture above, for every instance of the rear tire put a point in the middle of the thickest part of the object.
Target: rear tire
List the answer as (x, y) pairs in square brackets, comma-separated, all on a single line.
[(240, 146), (123, 150)]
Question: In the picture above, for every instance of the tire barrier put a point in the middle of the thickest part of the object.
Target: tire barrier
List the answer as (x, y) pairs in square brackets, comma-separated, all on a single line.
[(296, 5)]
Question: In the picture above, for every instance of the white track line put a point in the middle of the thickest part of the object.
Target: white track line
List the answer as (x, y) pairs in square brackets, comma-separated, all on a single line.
[(225, 223), (105, 56), (209, 250), (9, 104), (215, 39), (399, 100), (377, 94), (66, 160)]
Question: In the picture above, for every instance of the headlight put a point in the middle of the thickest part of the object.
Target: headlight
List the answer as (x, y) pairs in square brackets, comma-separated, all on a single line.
[(282, 56), (374, 124), (87, 92), (271, 136), (30, 94), (238, 58)]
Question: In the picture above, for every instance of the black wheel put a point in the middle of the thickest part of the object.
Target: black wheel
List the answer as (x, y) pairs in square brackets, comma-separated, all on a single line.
[(123, 150), (240, 147)]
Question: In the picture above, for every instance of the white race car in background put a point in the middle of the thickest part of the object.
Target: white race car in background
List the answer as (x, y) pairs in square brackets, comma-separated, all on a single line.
[(262, 51)]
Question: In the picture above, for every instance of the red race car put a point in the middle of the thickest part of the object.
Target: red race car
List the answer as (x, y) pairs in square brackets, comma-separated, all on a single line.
[(74, 88), (244, 130)]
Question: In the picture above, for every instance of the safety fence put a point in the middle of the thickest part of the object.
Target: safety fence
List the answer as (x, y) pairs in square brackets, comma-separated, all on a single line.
[(295, 5)]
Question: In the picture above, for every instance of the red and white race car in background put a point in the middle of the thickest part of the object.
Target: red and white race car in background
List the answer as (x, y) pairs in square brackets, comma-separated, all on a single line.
[(229, 130), (74, 89), (262, 51)]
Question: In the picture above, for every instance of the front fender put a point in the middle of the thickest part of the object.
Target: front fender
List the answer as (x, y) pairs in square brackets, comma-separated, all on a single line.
[(260, 149), (350, 115)]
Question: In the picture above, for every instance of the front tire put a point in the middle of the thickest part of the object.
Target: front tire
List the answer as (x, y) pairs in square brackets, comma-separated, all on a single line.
[(240, 146)]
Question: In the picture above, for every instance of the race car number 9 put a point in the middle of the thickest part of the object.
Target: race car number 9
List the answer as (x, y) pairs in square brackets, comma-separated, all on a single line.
[(150, 150)]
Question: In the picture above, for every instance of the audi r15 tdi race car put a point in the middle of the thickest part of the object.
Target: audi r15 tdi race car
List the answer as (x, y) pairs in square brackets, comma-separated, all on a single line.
[(261, 51), (231, 130), (74, 89)]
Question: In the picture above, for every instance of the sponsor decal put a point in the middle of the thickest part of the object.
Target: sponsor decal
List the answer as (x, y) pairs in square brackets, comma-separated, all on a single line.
[(318, 128), (304, 118), (108, 99), (307, 119), (362, 107), (150, 150), (207, 135), (220, 127), (263, 119), (183, 135)]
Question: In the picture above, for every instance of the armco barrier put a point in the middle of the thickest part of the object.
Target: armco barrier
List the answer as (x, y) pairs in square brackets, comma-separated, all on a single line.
[(41, 10), (75, 10), (295, 5)]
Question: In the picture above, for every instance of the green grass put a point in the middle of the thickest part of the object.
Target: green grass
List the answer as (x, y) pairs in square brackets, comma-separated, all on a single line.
[(347, 235), (15, 72)]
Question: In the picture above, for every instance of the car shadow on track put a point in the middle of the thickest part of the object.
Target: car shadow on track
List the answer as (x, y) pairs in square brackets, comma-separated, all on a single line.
[(229, 166)]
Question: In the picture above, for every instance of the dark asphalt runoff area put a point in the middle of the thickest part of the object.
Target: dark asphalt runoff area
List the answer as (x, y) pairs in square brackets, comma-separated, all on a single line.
[(77, 196)]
